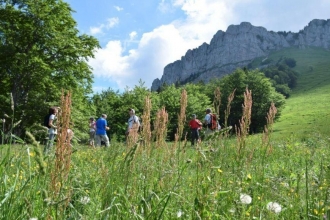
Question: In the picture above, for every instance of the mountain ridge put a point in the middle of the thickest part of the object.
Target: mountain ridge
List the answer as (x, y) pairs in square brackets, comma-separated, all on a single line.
[(236, 48)]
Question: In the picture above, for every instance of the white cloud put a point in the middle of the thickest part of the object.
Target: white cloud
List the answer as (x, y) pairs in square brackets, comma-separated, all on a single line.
[(165, 6), (118, 8), (111, 22), (132, 35), (95, 30), (167, 43)]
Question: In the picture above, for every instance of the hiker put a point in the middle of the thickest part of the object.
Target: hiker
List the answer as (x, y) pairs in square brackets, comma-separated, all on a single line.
[(133, 126), (101, 131), (195, 126), (92, 127), (52, 129), (208, 122), (69, 136)]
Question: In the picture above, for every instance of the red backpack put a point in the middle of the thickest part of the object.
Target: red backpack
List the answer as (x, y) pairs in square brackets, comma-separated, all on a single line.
[(213, 124)]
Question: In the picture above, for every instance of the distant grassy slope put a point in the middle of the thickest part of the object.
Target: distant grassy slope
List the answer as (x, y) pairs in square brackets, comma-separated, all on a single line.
[(307, 111)]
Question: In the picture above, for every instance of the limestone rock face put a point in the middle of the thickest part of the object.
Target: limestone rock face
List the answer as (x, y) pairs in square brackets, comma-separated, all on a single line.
[(237, 47)]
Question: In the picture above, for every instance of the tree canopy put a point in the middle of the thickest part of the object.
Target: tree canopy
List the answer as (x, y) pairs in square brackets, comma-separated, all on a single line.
[(41, 52)]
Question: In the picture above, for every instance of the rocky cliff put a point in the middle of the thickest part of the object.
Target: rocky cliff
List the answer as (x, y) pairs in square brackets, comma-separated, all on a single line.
[(237, 47)]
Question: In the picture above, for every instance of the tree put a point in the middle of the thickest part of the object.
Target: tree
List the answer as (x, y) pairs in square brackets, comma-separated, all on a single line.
[(263, 93), (41, 52)]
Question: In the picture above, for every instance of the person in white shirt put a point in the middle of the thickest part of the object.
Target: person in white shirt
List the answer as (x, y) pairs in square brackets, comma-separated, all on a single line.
[(207, 122), (52, 131), (133, 121), (133, 125)]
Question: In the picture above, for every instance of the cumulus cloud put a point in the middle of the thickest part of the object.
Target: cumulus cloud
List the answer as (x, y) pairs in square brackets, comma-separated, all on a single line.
[(118, 8), (111, 22), (167, 43), (132, 35), (161, 46)]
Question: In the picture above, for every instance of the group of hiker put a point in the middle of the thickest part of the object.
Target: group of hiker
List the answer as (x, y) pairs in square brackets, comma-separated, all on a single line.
[(211, 124), (98, 128)]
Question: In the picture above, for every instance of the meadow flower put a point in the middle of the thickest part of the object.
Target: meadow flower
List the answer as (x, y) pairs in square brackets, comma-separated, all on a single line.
[(274, 207), (85, 200), (245, 199), (232, 210), (33, 219), (179, 213)]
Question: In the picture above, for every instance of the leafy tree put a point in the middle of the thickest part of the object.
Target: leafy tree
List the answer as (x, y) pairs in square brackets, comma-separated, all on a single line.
[(263, 93), (282, 77), (41, 52)]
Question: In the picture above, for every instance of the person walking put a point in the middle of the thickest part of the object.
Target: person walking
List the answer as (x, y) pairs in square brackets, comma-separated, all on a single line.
[(92, 128), (208, 122), (52, 129), (195, 125), (101, 131), (132, 127)]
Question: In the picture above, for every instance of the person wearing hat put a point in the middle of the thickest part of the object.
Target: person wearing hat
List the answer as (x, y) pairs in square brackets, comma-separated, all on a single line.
[(195, 125)]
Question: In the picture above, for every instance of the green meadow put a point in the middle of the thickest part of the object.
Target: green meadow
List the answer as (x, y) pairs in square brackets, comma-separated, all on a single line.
[(307, 110), (281, 174)]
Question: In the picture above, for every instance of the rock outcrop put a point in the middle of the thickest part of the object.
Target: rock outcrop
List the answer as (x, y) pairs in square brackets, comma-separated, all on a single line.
[(237, 47)]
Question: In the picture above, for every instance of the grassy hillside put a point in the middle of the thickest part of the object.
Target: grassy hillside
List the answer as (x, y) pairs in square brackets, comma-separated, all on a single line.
[(307, 111)]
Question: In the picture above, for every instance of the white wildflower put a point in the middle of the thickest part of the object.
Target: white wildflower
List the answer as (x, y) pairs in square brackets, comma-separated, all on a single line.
[(232, 210), (33, 219), (179, 213), (274, 207), (245, 199), (84, 200)]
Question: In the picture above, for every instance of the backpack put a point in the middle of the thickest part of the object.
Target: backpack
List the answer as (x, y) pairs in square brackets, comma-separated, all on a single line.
[(214, 122), (137, 121), (46, 121)]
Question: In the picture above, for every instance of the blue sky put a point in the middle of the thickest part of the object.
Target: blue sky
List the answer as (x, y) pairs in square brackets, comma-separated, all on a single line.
[(139, 38)]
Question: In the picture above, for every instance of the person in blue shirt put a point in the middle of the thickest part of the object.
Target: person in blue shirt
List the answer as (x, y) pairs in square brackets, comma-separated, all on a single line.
[(101, 131)]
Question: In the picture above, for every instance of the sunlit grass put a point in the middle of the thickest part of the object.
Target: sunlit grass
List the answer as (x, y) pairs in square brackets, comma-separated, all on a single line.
[(208, 182), (307, 110)]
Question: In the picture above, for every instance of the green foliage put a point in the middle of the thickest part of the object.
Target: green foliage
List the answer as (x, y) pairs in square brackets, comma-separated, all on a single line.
[(290, 62), (283, 77), (41, 52), (263, 94)]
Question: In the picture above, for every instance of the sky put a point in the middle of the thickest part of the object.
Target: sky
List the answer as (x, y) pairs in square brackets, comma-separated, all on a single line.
[(138, 38)]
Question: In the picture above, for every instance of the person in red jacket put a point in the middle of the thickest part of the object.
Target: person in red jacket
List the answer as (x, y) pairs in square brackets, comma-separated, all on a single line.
[(195, 126)]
